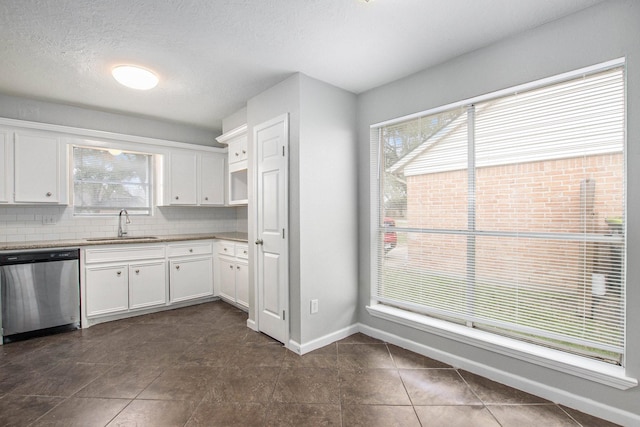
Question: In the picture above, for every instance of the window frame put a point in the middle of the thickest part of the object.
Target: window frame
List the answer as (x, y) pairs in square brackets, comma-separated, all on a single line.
[(582, 366)]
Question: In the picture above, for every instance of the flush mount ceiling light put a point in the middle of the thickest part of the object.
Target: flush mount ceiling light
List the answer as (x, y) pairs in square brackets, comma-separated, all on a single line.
[(134, 77)]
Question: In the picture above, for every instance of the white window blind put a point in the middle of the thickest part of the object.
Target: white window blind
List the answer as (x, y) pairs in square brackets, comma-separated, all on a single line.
[(106, 181), (508, 214)]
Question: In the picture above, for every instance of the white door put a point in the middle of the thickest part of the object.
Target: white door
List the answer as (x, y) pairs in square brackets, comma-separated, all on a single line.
[(272, 270)]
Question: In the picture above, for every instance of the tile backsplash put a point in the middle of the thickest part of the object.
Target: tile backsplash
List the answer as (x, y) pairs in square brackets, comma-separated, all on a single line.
[(33, 223)]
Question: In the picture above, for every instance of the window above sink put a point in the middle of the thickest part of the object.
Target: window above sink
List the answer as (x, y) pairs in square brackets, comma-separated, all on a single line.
[(107, 180)]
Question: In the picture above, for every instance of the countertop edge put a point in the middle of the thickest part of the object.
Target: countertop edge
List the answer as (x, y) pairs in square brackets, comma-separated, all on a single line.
[(79, 243)]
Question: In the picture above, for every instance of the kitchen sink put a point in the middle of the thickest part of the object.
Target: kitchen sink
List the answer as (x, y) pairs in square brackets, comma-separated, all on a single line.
[(104, 239)]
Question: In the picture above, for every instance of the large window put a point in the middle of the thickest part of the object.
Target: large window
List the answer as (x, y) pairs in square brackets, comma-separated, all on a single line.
[(106, 181), (506, 214)]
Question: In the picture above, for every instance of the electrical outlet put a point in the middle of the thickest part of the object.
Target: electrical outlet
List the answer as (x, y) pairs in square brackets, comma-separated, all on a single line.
[(314, 306), (48, 219)]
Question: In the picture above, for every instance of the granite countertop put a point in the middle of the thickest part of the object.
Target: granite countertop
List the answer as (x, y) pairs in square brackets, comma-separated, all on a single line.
[(45, 244)]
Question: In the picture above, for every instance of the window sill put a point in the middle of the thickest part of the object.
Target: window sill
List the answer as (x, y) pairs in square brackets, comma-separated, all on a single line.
[(593, 370)]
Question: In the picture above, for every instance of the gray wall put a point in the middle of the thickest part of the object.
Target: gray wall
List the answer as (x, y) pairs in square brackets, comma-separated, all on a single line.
[(13, 107), (235, 120), (322, 201), (282, 98), (328, 208), (606, 31)]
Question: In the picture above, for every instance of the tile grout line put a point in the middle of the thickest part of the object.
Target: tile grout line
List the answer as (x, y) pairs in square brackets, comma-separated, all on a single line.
[(403, 384), (484, 405)]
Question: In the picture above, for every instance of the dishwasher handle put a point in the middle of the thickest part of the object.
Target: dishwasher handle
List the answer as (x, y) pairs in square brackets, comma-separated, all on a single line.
[(41, 256)]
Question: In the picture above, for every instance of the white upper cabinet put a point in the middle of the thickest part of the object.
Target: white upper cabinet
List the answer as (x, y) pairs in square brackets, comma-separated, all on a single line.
[(212, 179), (40, 167), (5, 164), (195, 178), (183, 178), (238, 149), (238, 154), (34, 168)]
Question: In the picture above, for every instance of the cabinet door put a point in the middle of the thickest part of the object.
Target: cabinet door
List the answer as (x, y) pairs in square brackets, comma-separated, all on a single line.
[(227, 278), (183, 178), (238, 149), (107, 290), (37, 169), (242, 283), (190, 278), (147, 284), (212, 179), (4, 164)]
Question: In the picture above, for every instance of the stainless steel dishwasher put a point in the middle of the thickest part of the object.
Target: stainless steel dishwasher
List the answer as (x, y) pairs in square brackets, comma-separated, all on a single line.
[(40, 292)]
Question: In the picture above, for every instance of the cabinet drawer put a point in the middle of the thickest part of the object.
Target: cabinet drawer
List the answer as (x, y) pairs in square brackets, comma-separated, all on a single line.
[(242, 251), (226, 248), (123, 253), (185, 249)]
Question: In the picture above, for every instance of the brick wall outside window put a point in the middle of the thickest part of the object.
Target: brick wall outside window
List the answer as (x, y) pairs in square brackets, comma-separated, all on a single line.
[(541, 196)]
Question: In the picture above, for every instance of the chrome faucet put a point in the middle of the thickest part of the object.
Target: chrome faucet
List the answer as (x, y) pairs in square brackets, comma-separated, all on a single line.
[(121, 233)]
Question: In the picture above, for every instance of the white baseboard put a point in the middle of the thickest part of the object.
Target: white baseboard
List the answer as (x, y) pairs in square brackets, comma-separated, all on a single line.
[(251, 324), (323, 341), (553, 394)]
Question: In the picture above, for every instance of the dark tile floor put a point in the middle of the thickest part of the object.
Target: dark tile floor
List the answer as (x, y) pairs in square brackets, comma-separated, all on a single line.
[(201, 366)]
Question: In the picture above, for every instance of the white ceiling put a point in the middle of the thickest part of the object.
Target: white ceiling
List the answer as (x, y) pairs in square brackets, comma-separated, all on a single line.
[(213, 55)]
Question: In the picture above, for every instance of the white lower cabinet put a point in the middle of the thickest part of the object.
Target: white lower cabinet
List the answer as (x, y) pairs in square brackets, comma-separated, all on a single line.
[(190, 271), (123, 279), (233, 275), (119, 279), (242, 283), (107, 289), (147, 284)]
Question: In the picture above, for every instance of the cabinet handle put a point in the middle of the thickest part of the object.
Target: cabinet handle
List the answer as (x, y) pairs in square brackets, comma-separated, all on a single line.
[(119, 273), (190, 250), (244, 151), (177, 197), (206, 198), (225, 249), (237, 154), (238, 267), (49, 194), (231, 267), (177, 267), (137, 271), (245, 252)]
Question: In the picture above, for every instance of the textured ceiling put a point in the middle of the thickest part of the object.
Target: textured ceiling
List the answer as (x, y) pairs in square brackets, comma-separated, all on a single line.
[(213, 55)]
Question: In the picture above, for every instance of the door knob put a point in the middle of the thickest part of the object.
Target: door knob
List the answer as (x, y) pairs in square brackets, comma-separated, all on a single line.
[(259, 242)]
